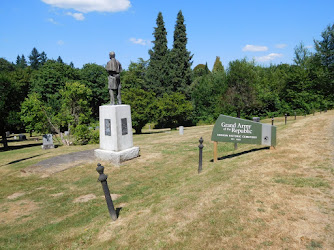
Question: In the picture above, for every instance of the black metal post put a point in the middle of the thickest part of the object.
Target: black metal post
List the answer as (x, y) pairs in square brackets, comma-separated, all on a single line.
[(272, 121), (103, 179), (200, 146), (286, 117)]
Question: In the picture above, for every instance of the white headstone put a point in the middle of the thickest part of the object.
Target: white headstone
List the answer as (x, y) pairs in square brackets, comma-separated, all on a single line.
[(116, 140), (66, 133), (47, 141), (181, 130)]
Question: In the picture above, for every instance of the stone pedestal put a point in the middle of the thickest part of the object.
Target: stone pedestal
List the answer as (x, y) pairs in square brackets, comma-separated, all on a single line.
[(116, 141)]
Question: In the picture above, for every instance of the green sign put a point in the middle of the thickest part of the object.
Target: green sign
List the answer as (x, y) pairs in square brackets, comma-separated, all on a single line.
[(230, 129)]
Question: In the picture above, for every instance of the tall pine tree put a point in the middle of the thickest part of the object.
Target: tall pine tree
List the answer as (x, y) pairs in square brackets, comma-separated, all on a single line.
[(157, 70), (180, 58), (43, 57), (35, 59)]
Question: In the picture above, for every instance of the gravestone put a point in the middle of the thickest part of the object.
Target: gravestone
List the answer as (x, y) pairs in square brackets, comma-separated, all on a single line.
[(7, 134), (22, 137), (15, 137), (47, 141), (66, 133), (116, 139), (181, 130), (256, 119)]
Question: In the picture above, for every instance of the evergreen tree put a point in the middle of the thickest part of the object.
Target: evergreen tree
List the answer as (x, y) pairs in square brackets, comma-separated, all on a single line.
[(59, 60), (43, 58), (325, 56), (21, 62), (35, 59), (157, 71), (218, 66), (180, 58), (18, 60), (325, 48)]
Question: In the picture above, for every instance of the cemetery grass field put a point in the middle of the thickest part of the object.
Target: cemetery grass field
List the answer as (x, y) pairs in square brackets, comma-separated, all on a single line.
[(253, 198)]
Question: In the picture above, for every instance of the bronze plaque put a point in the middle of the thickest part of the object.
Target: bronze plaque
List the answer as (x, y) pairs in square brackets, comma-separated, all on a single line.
[(124, 126), (107, 127)]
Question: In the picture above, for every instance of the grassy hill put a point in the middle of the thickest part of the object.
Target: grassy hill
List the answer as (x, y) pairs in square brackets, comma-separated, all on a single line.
[(253, 198)]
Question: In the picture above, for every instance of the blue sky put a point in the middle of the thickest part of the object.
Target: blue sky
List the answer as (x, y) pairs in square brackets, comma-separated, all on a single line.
[(84, 31)]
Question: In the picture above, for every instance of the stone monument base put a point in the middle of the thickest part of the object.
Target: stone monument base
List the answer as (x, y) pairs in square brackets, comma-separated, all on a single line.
[(48, 146), (117, 157)]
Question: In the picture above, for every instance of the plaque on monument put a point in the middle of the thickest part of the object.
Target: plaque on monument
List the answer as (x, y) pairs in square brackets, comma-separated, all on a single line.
[(47, 141), (107, 127), (124, 126)]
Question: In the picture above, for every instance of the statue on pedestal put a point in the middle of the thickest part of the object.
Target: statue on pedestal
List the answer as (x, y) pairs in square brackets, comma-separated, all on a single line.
[(114, 69)]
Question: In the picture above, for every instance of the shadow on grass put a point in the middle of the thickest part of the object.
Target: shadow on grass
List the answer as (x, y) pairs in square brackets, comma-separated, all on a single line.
[(23, 159), (20, 146), (154, 132), (240, 153), (118, 210)]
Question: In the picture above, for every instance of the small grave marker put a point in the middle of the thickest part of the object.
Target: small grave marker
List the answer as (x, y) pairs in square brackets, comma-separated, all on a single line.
[(47, 141), (22, 137), (181, 128)]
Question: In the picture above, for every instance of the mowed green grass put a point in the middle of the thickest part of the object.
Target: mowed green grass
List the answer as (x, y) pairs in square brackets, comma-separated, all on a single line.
[(162, 201)]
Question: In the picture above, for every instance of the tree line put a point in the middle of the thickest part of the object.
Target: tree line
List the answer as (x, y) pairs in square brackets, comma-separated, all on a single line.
[(46, 95)]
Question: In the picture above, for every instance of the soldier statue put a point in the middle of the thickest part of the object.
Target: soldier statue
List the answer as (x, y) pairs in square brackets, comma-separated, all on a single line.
[(114, 68)]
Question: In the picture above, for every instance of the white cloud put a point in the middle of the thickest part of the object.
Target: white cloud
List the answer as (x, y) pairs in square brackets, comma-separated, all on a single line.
[(281, 45), (60, 42), (51, 20), (309, 47), (269, 57), (91, 5), (254, 48), (77, 16), (139, 41)]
